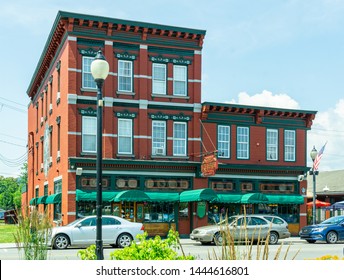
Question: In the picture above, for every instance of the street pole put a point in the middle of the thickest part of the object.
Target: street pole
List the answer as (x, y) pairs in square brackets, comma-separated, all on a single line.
[(99, 70)]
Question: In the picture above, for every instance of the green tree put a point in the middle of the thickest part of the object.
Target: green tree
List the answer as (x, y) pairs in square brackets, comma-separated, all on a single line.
[(10, 189)]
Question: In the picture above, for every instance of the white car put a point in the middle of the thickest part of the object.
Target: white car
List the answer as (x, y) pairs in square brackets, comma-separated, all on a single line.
[(115, 232)]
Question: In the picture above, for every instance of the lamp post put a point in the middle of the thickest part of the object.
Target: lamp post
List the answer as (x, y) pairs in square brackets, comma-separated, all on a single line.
[(313, 155), (99, 70)]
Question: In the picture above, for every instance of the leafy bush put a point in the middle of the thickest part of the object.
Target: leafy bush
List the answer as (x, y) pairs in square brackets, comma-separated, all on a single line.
[(152, 249), (88, 254)]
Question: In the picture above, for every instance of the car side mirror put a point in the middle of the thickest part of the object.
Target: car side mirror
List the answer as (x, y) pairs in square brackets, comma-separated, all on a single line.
[(79, 225)]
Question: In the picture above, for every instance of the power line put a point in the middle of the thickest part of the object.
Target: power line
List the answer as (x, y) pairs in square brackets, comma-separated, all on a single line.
[(12, 101)]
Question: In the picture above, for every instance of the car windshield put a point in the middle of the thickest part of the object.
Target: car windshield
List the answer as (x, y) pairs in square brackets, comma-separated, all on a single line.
[(229, 221), (333, 220)]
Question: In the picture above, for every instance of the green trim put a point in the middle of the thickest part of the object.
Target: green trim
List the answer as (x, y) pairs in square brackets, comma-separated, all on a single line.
[(88, 111), (198, 195), (126, 114), (88, 52), (170, 51), (54, 198), (126, 47), (164, 117), (125, 56), (90, 42)]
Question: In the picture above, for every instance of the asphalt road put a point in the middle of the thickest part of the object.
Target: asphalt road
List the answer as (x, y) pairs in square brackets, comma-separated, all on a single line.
[(289, 249)]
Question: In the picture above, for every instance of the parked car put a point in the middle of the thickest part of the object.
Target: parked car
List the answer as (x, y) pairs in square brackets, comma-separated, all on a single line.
[(116, 231), (2, 214), (250, 227), (330, 230)]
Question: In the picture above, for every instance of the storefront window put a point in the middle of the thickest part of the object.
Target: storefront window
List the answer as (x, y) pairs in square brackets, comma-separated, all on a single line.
[(184, 209), (217, 212), (159, 212), (289, 212)]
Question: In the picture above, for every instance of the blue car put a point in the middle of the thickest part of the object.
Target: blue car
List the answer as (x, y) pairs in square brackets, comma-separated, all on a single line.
[(330, 230)]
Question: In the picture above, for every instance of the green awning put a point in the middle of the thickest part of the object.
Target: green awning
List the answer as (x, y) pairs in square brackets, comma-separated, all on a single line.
[(198, 195), (285, 199), (54, 198), (41, 199), (254, 198), (163, 196), (82, 195), (33, 201), (132, 195), (229, 197)]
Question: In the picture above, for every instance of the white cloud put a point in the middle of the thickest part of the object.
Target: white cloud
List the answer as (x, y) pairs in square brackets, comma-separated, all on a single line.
[(328, 126), (267, 99)]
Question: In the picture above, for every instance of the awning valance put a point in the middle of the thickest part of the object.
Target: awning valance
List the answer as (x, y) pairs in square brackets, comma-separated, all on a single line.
[(198, 195), (229, 198), (54, 198), (163, 196), (131, 195), (41, 199), (285, 199), (82, 195), (254, 198)]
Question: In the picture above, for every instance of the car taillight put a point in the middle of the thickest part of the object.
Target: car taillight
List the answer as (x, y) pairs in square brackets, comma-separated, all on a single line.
[(143, 227)]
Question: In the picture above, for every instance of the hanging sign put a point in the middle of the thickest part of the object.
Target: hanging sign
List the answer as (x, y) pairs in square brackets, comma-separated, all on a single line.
[(209, 165), (201, 209)]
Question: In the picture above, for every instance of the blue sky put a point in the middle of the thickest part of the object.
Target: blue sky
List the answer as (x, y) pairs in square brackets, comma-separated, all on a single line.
[(276, 53)]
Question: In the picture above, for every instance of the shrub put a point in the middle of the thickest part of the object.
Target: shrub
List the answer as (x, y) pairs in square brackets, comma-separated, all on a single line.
[(152, 249), (88, 254)]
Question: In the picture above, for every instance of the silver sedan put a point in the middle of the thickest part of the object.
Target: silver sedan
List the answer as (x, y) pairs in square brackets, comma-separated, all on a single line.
[(115, 231)]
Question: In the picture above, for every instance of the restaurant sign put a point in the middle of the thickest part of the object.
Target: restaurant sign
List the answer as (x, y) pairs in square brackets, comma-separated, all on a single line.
[(209, 165)]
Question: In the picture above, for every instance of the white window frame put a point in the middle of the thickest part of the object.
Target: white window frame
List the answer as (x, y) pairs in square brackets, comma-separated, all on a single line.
[(243, 142), (126, 135), (179, 143), (180, 78), (223, 141), (88, 134), (159, 83), (271, 144), (125, 71), (87, 78), (158, 141), (289, 145)]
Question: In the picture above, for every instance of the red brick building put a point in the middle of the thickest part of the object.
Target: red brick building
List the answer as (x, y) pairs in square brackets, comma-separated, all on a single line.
[(155, 131)]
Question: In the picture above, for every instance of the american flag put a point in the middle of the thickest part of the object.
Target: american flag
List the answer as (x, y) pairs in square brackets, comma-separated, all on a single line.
[(318, 158)]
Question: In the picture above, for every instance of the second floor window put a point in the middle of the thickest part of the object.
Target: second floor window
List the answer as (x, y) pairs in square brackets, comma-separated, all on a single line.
[(87, 78), (158, 138), (223, 142), (289, 145), (159, 78), (179, 80), (179, 139), (243, 142), (271, 144), (125, 136), (125, 75), (89, 134)]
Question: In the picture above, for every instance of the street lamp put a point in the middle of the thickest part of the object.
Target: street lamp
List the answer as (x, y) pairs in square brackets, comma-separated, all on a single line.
[(313, 172), (99, 70)]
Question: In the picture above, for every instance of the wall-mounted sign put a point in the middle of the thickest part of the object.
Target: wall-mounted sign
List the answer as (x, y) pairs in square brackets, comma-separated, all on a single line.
[(209, 165)]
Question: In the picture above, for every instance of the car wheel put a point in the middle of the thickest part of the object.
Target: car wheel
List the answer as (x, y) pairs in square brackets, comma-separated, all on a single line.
[(218, 239), (124, 240), (331, 237), (311, 241), (273, 239), (61, 241)]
